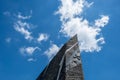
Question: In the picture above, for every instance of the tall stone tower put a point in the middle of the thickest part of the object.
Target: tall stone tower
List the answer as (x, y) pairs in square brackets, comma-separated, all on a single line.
[(66, 65)]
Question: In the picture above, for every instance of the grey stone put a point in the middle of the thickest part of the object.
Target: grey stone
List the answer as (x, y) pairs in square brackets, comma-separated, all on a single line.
[(66, 64)]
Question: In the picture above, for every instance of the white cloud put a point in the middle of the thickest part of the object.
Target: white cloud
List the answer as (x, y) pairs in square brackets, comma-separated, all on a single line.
[(53, 49), (19, 16), (31, 60), (22, 26), (102, 21), (88, 4), (89, 36), (71, 8), (23, 31), (42, 37), (28, 51)]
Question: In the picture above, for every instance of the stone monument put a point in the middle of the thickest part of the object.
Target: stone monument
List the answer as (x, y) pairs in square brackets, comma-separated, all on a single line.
[(66, 64)]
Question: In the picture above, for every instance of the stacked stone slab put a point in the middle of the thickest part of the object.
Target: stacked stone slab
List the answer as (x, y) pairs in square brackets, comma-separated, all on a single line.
[(66, 65)]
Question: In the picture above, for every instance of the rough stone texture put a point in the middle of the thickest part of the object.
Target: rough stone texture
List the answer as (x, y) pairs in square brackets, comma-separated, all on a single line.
[(66, 65)]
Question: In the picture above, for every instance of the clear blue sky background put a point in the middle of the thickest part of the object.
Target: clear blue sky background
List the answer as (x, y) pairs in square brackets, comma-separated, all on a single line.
[(103, 65)]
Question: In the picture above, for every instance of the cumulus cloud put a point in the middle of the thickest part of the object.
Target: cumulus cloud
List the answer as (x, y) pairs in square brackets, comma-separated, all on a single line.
[(53, 49), (28, 51), (89, 36), (71, 8), (102, 21), (42, 37)]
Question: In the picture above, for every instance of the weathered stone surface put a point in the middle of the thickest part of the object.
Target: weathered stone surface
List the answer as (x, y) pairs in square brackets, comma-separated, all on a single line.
[(66, 65)]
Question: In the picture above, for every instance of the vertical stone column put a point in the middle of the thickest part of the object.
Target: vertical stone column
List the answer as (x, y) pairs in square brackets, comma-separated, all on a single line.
[(66, 65)]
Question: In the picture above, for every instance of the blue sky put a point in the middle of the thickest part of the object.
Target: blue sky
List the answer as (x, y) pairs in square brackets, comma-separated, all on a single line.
[(31, 32)]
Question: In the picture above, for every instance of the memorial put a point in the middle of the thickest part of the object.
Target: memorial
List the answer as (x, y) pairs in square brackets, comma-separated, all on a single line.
[(66, 64)]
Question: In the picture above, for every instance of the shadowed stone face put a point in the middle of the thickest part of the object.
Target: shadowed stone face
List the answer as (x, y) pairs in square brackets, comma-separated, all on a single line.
[(66, 65)]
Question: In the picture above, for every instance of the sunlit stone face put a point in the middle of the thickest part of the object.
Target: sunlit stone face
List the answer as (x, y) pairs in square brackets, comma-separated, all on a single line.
[(72, 57)]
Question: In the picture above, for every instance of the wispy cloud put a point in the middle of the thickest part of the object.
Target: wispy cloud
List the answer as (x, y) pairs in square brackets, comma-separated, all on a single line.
[(53, 49), (20, 16), (25, 28), (7, 13), (31, 60), (20, 28), (8, 40), (22, 25), (42, 37), (28, 51), (89, 36)]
